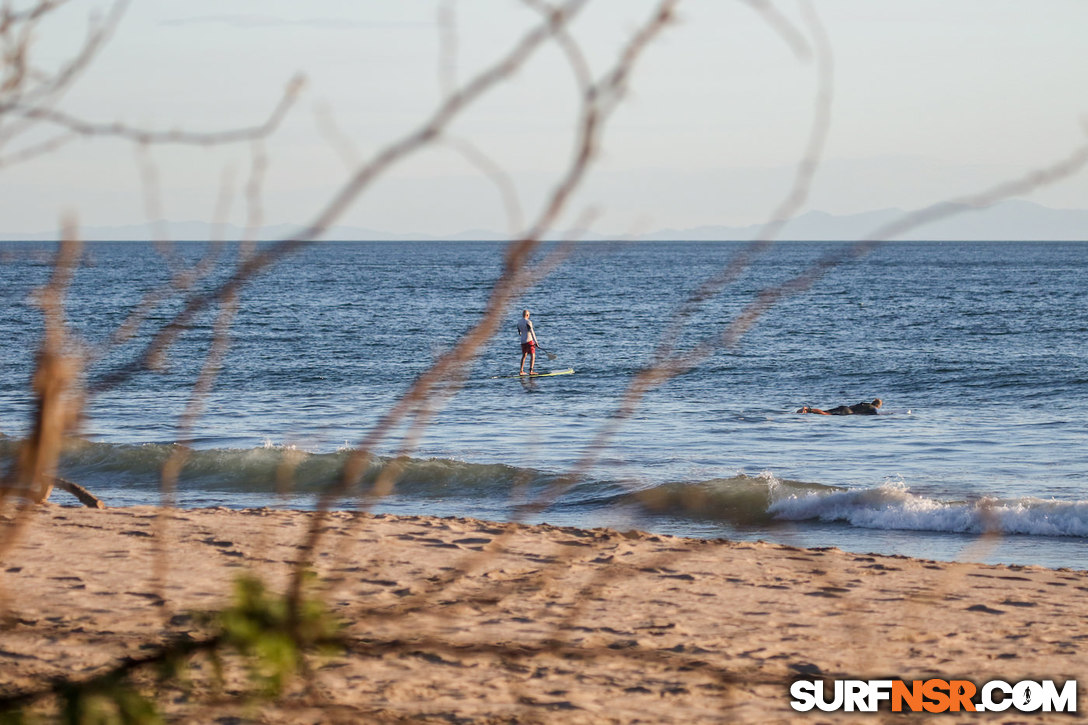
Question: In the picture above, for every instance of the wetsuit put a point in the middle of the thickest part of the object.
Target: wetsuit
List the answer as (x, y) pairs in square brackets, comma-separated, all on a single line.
[(859, 409)]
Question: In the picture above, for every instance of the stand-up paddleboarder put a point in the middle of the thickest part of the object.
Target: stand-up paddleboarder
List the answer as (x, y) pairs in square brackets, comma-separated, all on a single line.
[(528, 343)]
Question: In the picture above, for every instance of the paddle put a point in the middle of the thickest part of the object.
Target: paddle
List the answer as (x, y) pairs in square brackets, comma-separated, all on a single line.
[(550, 355)]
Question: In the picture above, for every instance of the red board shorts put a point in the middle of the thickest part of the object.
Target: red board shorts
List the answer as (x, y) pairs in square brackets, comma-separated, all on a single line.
[(528, 348)]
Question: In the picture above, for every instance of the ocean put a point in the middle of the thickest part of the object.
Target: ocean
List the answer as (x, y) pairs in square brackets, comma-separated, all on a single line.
[(977, 349)]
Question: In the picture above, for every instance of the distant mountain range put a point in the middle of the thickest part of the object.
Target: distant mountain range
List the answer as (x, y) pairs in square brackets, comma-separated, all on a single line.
[(1013, 220), (1007, 221)]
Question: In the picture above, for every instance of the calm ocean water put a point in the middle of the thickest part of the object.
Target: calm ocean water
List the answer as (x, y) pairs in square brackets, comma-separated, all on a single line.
[(978, 350)]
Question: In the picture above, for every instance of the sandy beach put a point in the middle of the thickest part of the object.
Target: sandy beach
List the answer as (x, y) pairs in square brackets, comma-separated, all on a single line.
[(454, 620)]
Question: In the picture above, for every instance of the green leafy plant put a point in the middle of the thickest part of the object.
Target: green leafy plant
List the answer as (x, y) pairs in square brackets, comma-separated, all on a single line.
[(272, 633)]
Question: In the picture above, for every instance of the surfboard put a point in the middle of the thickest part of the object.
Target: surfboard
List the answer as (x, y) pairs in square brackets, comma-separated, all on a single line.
[(549, 374)]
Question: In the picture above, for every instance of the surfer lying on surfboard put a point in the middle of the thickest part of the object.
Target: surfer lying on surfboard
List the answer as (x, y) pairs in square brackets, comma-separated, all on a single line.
[(862, 408)]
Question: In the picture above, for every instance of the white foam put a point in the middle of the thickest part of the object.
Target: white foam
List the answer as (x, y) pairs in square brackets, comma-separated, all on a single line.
[(892, 506), (271, 445)]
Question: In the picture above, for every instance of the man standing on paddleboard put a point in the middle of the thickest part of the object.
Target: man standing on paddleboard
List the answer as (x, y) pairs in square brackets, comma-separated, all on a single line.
[(528, 343)]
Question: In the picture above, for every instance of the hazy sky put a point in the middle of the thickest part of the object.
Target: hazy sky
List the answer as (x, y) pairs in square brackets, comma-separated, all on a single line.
[(932, 99)]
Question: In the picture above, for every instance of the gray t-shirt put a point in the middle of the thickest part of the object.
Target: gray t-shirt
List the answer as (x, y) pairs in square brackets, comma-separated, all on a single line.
[(525, 328)]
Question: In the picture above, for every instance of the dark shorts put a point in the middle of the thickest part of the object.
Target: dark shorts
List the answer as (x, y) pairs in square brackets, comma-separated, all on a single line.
[(528, 348)]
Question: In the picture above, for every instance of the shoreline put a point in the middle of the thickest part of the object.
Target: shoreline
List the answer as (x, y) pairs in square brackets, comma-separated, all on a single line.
[(498, 622)]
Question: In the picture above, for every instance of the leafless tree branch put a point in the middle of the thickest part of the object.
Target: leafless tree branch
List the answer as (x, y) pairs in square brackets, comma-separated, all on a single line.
[(145, 136), (52, 84), (447, 47), (498, 177), (346, 195), (778, 22), (38, 150), (598, 102)]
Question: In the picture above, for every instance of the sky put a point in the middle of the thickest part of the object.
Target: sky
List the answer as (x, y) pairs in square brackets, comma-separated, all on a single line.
[(930, 100)]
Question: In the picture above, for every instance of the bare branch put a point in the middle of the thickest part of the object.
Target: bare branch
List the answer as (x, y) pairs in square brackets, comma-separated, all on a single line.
[(821, 125), (254, 207), (577, 60), (58, 82), (37, 150), (447, 47), (1026, 184), (347, 194), (597, 104), (58, 399), (145, 136), (30, 14), (793, 37), (789, 206), (667, 365), (499, 177), (431, 129), (343, 147), (223, 203), (171, 469), (152, 198)]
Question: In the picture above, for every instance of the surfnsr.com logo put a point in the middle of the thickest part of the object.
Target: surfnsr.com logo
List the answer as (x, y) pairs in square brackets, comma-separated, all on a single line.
[(933, 696)]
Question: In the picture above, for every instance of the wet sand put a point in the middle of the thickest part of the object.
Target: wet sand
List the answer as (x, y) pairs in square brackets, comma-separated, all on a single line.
[(454, 620)]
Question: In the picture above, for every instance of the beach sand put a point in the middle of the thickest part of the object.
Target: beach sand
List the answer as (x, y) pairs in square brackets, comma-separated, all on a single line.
[(454, 620)]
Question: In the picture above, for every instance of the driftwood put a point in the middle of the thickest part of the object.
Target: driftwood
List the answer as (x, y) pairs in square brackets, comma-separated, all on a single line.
[(85, 497)]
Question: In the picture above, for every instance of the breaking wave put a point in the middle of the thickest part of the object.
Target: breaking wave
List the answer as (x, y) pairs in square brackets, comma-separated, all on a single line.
[(741, 500), (765, 499), (893, 506), (271, 469)]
